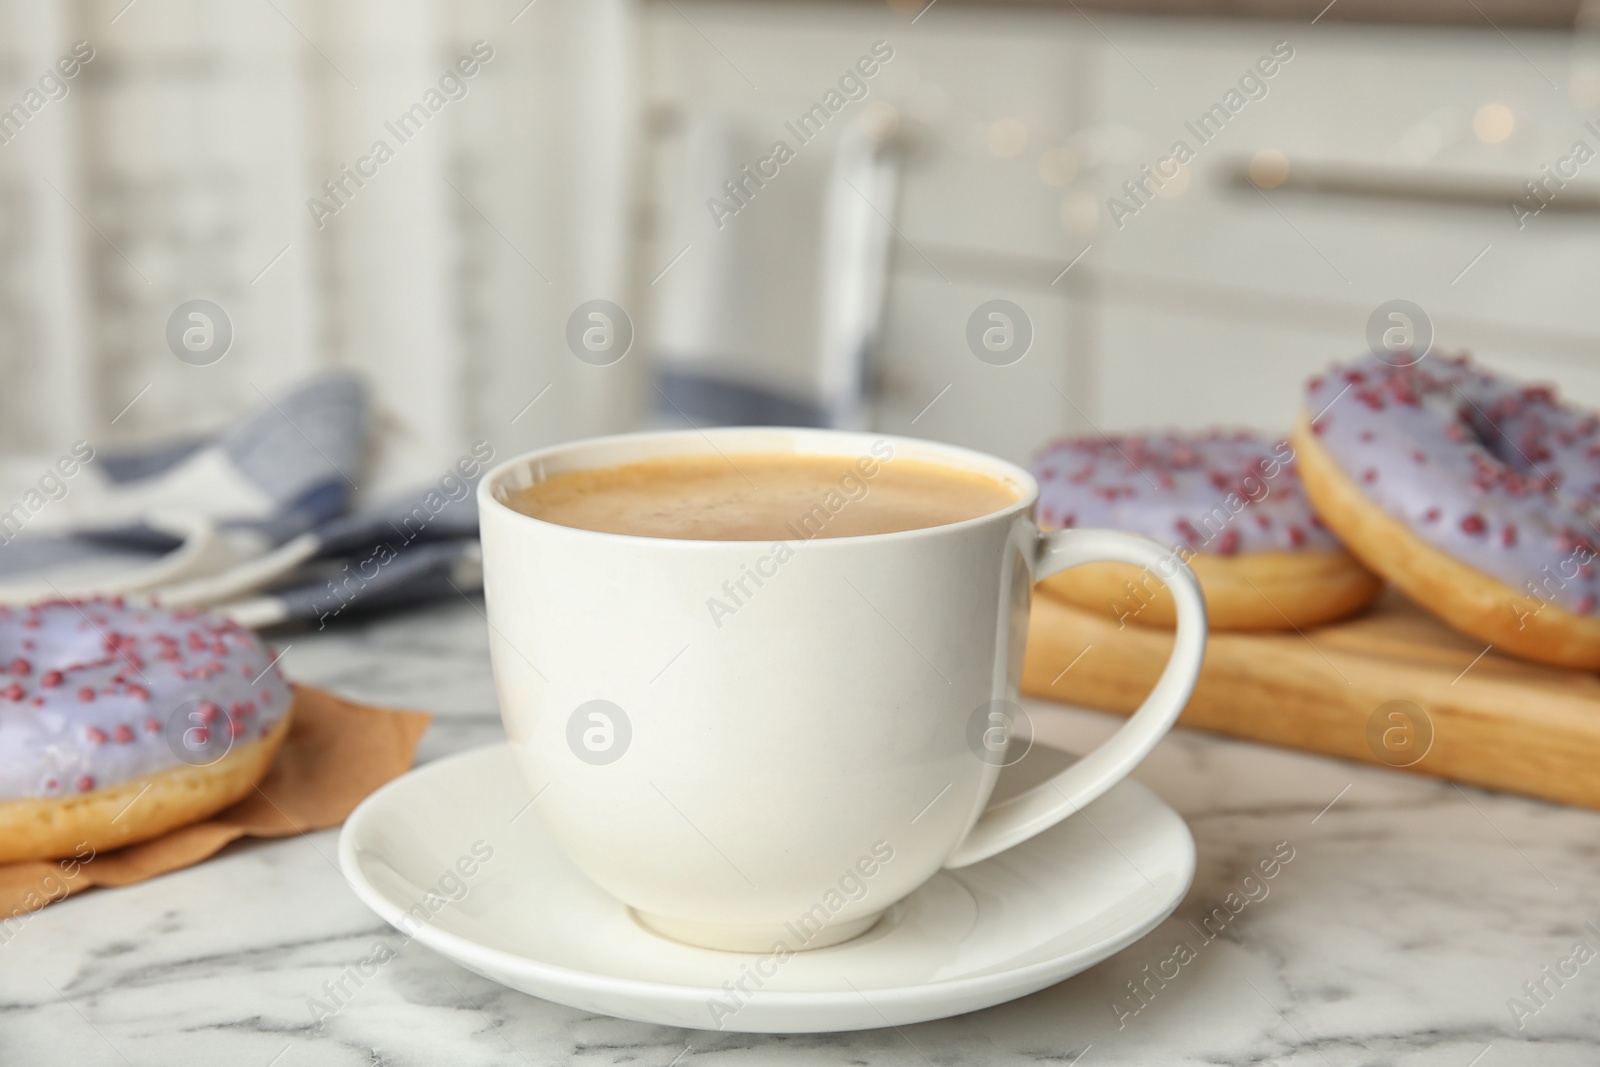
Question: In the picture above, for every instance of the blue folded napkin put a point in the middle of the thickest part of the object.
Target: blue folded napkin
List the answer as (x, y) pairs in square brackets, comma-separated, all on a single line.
[(276, 488)]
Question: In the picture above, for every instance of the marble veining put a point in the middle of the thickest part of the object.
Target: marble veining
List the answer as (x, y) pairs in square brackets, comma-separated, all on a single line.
[(1410, 914)]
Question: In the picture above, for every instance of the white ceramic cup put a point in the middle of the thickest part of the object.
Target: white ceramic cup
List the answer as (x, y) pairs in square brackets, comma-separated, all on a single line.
[(757, 745)]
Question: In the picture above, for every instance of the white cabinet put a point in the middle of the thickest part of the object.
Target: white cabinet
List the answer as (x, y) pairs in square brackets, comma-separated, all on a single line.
[(1212, 303)]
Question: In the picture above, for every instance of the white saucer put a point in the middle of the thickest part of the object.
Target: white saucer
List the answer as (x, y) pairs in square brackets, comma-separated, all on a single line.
[(967, 939)]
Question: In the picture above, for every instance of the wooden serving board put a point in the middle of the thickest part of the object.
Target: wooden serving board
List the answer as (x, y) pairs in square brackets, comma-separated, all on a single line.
[(1497, 722)]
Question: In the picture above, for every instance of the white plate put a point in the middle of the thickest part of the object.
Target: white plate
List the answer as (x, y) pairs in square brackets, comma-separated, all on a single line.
[(967, 939)]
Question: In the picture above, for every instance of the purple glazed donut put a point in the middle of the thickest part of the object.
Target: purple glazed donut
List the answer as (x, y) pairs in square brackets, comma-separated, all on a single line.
[(1473, 493), (1229, 503), (1182, 490), (99, 697)]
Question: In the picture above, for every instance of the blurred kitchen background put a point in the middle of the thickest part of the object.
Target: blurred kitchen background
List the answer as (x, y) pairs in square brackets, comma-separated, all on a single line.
[(577, 162)]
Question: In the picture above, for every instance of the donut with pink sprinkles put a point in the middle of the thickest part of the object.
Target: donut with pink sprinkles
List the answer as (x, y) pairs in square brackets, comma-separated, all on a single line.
[(1227, 502), (103, 695), (1477, 495)]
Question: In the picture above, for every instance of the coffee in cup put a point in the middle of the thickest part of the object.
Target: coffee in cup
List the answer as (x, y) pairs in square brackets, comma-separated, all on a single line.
[(750, 676)]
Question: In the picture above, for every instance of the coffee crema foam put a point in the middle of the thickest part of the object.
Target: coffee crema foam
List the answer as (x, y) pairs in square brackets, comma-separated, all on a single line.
[(764, 496)]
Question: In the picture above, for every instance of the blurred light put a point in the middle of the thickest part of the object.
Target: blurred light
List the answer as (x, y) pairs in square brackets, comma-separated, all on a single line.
[(1007, 138), (1173, 187), (1421, 142), (1493, 123), (1584, 88), (879, 120), (1269, 168), (1058, 166), (1080, 214)]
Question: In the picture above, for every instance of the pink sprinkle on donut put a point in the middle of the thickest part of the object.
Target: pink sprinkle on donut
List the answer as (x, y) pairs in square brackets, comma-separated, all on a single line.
[(85, 673), (85, 783), (1473, 524), (1220, 492)]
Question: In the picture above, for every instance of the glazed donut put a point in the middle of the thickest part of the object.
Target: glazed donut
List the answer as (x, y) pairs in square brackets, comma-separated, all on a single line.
[(1229, 503), (1475, 495), (119, 722)]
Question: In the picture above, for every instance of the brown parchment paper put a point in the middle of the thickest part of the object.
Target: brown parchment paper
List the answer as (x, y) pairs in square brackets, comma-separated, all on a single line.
[(335, 755)]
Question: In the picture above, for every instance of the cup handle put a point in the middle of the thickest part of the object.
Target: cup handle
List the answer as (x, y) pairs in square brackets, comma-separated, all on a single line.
[(1014, 821)]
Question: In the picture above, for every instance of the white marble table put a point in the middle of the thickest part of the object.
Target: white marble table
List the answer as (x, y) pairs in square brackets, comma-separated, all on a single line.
[(1411, 913)]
